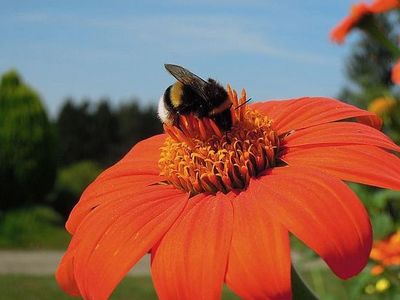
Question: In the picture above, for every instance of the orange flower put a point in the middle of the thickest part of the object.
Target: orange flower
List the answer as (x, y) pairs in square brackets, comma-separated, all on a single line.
[(386, 253), (357, 13), (215, 208), (382, 6), (381, 106), (396, 73)]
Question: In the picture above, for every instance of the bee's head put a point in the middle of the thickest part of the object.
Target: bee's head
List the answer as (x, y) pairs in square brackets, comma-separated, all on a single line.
[(224, 120)]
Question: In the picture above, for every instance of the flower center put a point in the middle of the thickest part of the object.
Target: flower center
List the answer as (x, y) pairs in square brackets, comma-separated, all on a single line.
[(197, 157)]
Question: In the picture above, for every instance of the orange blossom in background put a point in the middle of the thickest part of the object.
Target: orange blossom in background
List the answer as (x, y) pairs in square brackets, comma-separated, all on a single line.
[(357, 13)]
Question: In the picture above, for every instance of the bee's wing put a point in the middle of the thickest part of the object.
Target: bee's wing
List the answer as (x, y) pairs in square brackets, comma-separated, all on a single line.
[(188, 78)]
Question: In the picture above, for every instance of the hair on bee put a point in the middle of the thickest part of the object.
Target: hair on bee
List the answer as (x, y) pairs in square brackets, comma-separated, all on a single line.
[(191, 94)]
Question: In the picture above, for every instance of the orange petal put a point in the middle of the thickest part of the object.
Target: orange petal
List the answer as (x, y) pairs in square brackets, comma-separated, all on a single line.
[(142, 158), (113, 237), (358, 163), (371, 120), (381, 6), (320, 210), (138, 169), (101, 193), (190, 262), (357, 12), (396, 73), (259, 258), (148, 149), (340, 133), (65, 273), (306, 112)]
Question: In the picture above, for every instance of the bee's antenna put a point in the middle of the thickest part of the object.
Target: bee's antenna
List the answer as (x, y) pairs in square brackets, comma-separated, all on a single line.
[(241, 104)]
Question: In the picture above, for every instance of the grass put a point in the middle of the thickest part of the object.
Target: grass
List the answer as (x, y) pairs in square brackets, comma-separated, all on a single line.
[(321, 280), (329, 287), (22, 287)]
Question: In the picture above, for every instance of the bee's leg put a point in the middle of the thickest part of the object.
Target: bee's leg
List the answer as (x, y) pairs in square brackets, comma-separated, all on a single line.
[(227, 139), (177, 118)]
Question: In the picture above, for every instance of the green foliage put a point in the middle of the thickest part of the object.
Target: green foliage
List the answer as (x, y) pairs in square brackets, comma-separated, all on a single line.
[(105, 133), (70, 183), (86, 133), (135, 124), (101, 133), (34, 228), (27, 152), (366, 286), (382, 223), (383, 208), (369, 67), (74, 128)]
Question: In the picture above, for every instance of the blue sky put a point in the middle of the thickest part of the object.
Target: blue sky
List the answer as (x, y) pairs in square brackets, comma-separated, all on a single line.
[(116, 49)]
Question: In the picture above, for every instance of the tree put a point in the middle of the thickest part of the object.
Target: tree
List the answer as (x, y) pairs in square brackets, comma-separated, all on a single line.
[(105, 133), (101, 133), (74, 124), (135, 124), (27, 144)]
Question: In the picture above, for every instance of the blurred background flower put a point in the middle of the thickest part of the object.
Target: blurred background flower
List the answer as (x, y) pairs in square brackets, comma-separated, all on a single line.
[(382, 106), (396, 73), (386, 253)]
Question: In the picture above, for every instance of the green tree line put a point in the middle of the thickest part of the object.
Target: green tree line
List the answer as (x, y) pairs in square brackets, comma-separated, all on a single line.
[(52, 161), (101, 133)]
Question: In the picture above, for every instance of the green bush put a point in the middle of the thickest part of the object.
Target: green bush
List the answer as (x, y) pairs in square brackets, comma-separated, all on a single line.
[(70, 183), (27, 145), (37, 228)]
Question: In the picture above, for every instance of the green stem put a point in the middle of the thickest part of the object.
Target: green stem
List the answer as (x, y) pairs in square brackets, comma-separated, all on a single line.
[(368, 24), (300, 289)]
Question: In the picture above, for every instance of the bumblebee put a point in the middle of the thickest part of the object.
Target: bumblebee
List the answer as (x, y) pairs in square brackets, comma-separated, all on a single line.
[(191, 94)]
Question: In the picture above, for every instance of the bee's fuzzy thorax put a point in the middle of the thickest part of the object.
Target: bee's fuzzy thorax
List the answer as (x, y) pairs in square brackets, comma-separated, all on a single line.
[(176, 94), (193, 95)]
